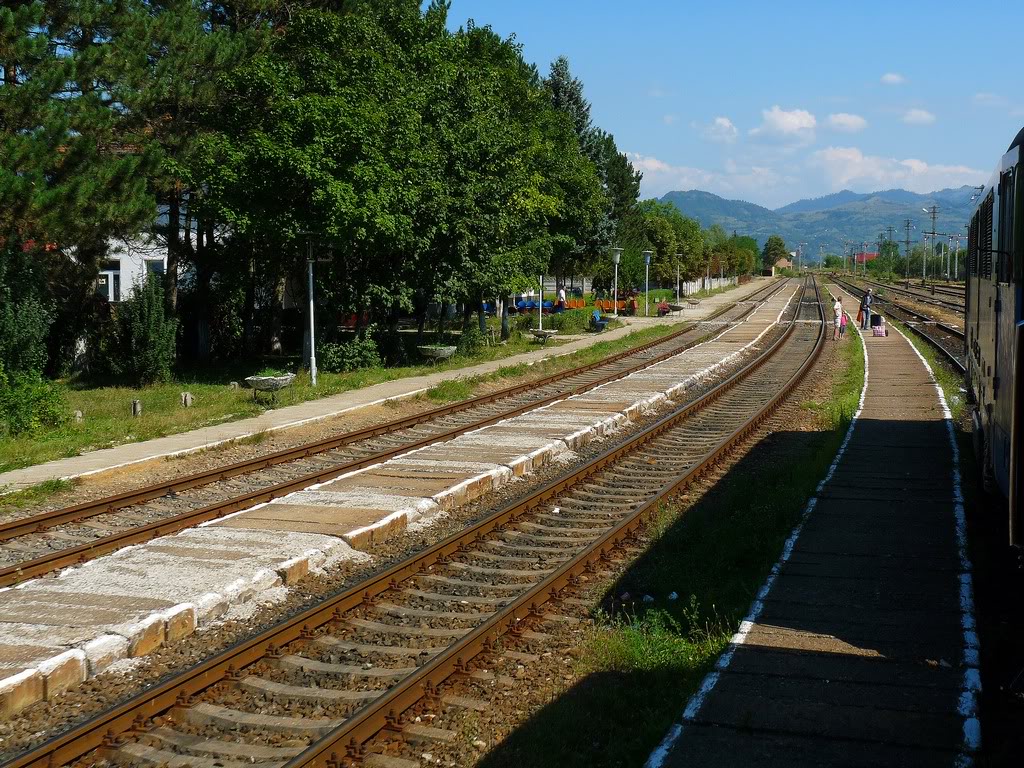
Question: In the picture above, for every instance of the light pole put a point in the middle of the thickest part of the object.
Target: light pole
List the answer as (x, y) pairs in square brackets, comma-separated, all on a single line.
[(540, 306), (310, 260), (678, 257), (647, 279), (616, 255)]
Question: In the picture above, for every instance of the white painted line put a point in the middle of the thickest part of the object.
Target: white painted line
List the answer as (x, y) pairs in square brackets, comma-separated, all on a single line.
[(972, 675), (693, 706)]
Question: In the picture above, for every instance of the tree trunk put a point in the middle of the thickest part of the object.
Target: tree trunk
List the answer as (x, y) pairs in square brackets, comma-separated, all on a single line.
[(249, 312), (10, 73), (173, 253), (276, 310), (440, 322), (481, 317), (504, 318), (467, 315), (421, 322)]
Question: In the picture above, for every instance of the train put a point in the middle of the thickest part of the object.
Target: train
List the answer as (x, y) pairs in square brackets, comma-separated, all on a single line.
[(994, 332)]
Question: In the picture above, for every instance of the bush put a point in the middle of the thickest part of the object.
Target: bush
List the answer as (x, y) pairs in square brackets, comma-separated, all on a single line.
[(569, 321), (361, 352), (471, 340), (23, 328), (27, 403), (144, 341)]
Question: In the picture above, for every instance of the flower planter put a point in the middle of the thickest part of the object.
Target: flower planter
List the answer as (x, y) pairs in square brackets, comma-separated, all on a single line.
[(436, 352), (271, 384)]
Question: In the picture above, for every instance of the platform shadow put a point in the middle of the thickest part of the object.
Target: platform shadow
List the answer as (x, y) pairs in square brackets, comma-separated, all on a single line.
[(881, 540)]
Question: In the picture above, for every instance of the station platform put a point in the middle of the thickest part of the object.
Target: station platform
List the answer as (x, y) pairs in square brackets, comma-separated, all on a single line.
[(328, 407), (860, 649)]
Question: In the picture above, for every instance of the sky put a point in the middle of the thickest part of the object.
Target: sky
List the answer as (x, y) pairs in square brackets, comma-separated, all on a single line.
[(772, 102)]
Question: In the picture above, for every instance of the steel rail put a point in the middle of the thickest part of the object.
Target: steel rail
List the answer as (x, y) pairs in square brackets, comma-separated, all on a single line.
[(950, 305), (918, 325), (19, 572), (110, 504), (103, 731)]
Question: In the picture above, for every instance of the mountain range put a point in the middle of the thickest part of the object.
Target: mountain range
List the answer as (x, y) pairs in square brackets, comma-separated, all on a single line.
[(823, 223)]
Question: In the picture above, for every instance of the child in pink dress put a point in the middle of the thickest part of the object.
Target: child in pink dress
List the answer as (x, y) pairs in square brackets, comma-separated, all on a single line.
[(842, 325)]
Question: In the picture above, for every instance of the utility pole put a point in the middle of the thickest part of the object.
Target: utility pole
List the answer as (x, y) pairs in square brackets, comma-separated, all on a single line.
[(799, 255), (908, 225), (934, 211)]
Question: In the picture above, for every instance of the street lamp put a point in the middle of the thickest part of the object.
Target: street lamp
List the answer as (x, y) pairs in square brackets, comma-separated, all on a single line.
[(647, 279), (616, 255), (310, 260), (679, 257)]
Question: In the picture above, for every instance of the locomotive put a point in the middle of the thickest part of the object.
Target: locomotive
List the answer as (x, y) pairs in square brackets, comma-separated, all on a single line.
[(994, 332)]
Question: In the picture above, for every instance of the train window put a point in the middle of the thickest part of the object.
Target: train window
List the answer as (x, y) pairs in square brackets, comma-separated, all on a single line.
[(1004, 245)]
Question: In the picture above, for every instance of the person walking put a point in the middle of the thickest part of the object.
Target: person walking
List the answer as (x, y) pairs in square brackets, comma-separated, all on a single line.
[(865, 307), (561, 298), (837, 311), (842, 325)]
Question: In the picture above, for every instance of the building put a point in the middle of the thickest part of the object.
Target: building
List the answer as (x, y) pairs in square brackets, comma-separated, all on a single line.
[(127, 265), (784, 263), (864, 257)]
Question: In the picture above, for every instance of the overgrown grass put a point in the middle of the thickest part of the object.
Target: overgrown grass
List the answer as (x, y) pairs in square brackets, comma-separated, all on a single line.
[(639, 665), (32, 496), (451, 390)]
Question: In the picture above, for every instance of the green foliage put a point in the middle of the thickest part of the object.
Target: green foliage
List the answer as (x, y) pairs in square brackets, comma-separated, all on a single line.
[(360, 352), (27, 403), (23, 329), (470, 340), (144, 336), (774, 250)]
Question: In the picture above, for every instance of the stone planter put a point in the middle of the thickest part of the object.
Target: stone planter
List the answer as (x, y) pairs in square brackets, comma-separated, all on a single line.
[(435, 352), (271, 384)]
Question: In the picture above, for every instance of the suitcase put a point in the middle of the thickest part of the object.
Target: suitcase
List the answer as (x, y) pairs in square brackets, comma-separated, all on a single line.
[(876, 320), (879, 330)]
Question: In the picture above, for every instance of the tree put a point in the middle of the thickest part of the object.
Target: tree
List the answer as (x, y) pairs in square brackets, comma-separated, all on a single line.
[(591, 233), (832, 261), (774, 250)]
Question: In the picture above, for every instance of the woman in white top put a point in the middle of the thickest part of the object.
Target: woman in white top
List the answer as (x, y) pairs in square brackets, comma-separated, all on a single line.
[(837, 310)]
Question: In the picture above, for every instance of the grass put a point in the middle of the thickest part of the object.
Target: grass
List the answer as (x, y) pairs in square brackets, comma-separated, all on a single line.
[(107, 410), (34, 495), (451, 390), (639, 666)]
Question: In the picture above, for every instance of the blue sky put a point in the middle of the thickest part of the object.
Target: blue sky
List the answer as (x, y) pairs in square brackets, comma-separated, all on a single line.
[(775, 101)]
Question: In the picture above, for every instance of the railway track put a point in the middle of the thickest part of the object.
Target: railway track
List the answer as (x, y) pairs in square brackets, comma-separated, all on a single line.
[(923, 296), (39, 544), (947, 339), (329, 686)]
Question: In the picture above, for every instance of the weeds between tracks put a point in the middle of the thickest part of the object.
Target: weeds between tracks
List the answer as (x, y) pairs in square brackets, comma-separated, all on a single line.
[(640, 661)]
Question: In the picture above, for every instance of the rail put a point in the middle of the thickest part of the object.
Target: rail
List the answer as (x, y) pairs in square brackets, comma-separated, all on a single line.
[(108, 731)]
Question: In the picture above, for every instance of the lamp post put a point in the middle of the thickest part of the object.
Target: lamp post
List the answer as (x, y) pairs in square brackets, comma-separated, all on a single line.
[(540, 306), (678, 257), (310, 260), (647, 279), (616, 255)]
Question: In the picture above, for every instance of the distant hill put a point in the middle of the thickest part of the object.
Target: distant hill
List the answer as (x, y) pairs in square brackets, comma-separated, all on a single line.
[(826, 221)]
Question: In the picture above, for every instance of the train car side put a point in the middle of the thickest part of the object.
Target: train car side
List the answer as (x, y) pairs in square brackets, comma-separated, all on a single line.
[(994, 325)]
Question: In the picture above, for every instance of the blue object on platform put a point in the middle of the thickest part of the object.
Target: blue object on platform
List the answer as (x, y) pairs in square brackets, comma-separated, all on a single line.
[(597, 321)]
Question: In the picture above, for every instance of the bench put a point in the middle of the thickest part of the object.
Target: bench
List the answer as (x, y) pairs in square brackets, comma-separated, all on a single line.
[(597, 322)]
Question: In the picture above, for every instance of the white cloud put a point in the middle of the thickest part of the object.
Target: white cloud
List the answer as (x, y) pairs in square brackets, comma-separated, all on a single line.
[(846, 167), (844, 121), (893, 78), (795, 125), (918, 117), (669, 119), (750, 182), (721, 129), (989, 99)]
